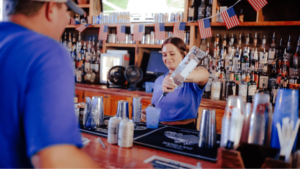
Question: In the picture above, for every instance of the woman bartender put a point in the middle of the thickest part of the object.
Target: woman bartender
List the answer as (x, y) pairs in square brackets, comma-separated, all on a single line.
[(180, 106)]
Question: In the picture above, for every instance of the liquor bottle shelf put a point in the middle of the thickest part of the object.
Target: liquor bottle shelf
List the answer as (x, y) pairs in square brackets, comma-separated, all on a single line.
[(120, 45), (84, 5)]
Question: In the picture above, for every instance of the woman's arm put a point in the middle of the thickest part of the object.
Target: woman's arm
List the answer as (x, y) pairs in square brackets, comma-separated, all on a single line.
[(199, 75)]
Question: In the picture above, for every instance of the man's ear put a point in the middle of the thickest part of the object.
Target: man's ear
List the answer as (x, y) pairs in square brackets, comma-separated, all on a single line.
[(50, 10)]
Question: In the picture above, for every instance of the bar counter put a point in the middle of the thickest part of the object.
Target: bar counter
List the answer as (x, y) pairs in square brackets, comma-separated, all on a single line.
[(114, 156)]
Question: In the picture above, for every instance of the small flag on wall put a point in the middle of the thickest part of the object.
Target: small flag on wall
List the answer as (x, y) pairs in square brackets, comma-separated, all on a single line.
[(160, 31), (121, 32), (138, 32), (81, 28), (103, 32), (258, 4), (230, 18), (204, 28), (179, 29)]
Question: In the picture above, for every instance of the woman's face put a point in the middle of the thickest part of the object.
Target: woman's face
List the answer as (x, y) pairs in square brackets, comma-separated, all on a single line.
[(171, 56)]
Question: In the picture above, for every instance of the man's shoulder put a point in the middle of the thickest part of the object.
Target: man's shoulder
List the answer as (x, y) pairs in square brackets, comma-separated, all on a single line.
[(24, 39)]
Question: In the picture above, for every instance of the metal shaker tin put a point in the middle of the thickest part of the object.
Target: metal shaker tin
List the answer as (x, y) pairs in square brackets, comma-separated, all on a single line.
[(125, 135), (143, 39), (136, 109), (207, 130), (130, 38), (126, 39), (212, 129), (122, 110), (113, 130)]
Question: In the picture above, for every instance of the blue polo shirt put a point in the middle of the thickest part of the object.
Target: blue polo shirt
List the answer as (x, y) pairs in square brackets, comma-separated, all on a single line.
[(182, 104), (36, 100)]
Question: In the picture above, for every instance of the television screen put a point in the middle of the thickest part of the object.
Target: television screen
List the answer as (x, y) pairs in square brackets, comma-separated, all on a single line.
[(156, 65)]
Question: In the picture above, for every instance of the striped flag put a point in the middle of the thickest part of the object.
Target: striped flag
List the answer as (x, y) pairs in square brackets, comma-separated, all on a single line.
[(72, 21), (257, 4), (121, 32), (82, 27), (160, 33), (103, 32), (179, 28), (138, 32), (204, 28), (230, 18)]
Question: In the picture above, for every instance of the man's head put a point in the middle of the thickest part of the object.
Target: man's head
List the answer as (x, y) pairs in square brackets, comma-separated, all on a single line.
[(48, 17)]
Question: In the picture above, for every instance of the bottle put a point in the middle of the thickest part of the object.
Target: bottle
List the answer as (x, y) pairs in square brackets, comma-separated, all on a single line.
[(201, 10), (263, 55), (251, 89), (256, 77), (230, 87), (224, 45), (272, 77), (280, 54), (285, 83), (207, 91), (288, 48), (236, 60), (209, 9), (190, 61), (216, 89), (241, 17), (272, 50), (243, 89), (274, 90), (218, 17), (240, 41), (65, 42), (79, 73), (298, 47), (264, 78), (191, 12)]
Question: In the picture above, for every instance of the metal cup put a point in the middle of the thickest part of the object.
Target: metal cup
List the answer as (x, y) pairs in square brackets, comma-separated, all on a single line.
[(207, 130), (98, 110), (122, 110)]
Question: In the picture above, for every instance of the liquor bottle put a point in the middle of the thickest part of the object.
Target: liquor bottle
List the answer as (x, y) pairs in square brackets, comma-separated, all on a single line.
[(217, 40), (256, 77), (255, 60), (216, 89), (191, 12), (97, 70), (285, 71), (251, 89), (247, 40), (285, 83), (288, 48), (209, 9), (207, 90), (240, 41), (263, 77), (201, 10), (74, 40), (79, 73), (272, 77), (79, 44), (65, 42), (280, 54), (241, 16), (236, 60), (274, 90), (272, 50), (230, 88), (70, 41), (263, 55), (242, 86), (218, 17), (224, 45), (298, 47)]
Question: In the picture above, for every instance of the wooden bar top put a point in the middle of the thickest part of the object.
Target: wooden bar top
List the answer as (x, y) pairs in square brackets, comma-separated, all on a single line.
[(205, 103), (114, 156)]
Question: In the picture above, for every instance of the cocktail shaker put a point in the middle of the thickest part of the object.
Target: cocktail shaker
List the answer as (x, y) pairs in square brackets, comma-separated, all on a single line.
[(207, 130)]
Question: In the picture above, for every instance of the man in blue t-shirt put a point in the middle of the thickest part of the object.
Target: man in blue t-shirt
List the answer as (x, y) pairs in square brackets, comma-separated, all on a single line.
[(38, 126)]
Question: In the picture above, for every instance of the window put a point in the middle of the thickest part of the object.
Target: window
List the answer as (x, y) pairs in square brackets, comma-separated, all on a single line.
[(143, 6)]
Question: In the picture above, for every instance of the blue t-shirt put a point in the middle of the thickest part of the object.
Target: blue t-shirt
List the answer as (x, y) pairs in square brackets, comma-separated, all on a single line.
[(36, 100), (182, 104)]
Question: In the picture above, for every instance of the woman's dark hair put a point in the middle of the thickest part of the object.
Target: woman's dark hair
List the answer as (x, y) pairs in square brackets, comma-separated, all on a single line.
[(178, 43)]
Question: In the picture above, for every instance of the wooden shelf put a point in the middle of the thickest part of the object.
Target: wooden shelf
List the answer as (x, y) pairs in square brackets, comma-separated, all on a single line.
[(120, 45), (84, 6), (149, 46), (75, 26)]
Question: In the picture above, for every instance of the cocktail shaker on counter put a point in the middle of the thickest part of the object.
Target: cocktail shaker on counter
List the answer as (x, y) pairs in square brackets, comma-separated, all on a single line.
[(207, 130), (122, 110)]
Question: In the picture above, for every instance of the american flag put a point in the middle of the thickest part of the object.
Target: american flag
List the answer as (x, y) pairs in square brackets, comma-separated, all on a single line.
[(138, 32), (258, 4), (179, 29), (204, 28), (72, 21), (82, 27), (160, 31), (103, 32), (230, 18), (121, 32)]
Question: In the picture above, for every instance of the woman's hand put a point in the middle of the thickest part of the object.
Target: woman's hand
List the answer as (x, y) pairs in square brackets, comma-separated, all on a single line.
[(168, 84), (143, 116)]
